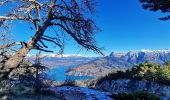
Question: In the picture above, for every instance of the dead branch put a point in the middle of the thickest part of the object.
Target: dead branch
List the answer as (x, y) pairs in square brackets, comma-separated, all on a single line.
[(9, 45)]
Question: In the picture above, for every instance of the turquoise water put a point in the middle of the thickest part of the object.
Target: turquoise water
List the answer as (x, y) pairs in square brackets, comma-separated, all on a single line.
[(59, 74)]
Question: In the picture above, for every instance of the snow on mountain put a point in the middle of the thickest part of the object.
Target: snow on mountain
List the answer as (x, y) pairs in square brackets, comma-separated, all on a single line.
[(136, 52), (120, 60), (56, 55), (139, 56), (54, 60)]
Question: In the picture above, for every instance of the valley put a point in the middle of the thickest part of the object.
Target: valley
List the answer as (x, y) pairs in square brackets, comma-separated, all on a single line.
[(102, 71)]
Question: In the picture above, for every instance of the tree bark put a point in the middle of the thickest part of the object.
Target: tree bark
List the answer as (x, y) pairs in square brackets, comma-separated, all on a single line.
[(15, 60), (18, 57)]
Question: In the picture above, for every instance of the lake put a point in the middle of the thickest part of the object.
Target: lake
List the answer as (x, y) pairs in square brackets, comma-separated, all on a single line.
[(59, 74)]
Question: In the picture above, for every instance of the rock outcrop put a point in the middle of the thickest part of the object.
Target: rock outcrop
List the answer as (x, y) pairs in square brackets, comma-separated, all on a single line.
[(131, 86), (81, 93)]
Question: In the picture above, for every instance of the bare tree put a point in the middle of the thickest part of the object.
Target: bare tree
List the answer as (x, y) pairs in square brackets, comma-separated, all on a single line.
[(73, 17)]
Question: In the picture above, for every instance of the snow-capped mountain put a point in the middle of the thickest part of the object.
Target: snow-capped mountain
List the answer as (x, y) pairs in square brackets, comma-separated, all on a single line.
[(54, 60), (56, 55), (120, 60), (137, 57)]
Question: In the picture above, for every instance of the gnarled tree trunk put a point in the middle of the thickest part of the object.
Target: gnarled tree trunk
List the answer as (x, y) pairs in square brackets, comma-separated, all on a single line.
[(18, 57), (15, 60)]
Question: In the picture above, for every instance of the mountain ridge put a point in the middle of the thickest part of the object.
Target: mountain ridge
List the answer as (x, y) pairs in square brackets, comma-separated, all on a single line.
[(139, 56), (118, 60), (58, 55), (53, 60)]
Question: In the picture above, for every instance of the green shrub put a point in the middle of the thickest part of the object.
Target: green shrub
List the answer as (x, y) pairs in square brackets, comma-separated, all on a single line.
[(145, 71)]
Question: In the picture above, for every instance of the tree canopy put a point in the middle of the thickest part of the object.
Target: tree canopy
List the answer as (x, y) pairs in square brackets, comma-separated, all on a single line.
[(151, 72), (156, 5)]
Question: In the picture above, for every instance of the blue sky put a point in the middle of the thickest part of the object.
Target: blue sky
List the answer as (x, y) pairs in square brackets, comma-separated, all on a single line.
[(125, 26)]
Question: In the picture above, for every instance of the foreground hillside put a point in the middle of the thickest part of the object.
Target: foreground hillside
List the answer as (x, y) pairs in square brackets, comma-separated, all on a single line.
[(145, 77), (103, 66)]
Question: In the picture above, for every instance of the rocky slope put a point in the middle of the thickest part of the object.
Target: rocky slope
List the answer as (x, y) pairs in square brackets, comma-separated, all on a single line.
[(23, 92), (129, 86), (90, 69), (103, 66), (81, 93)]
